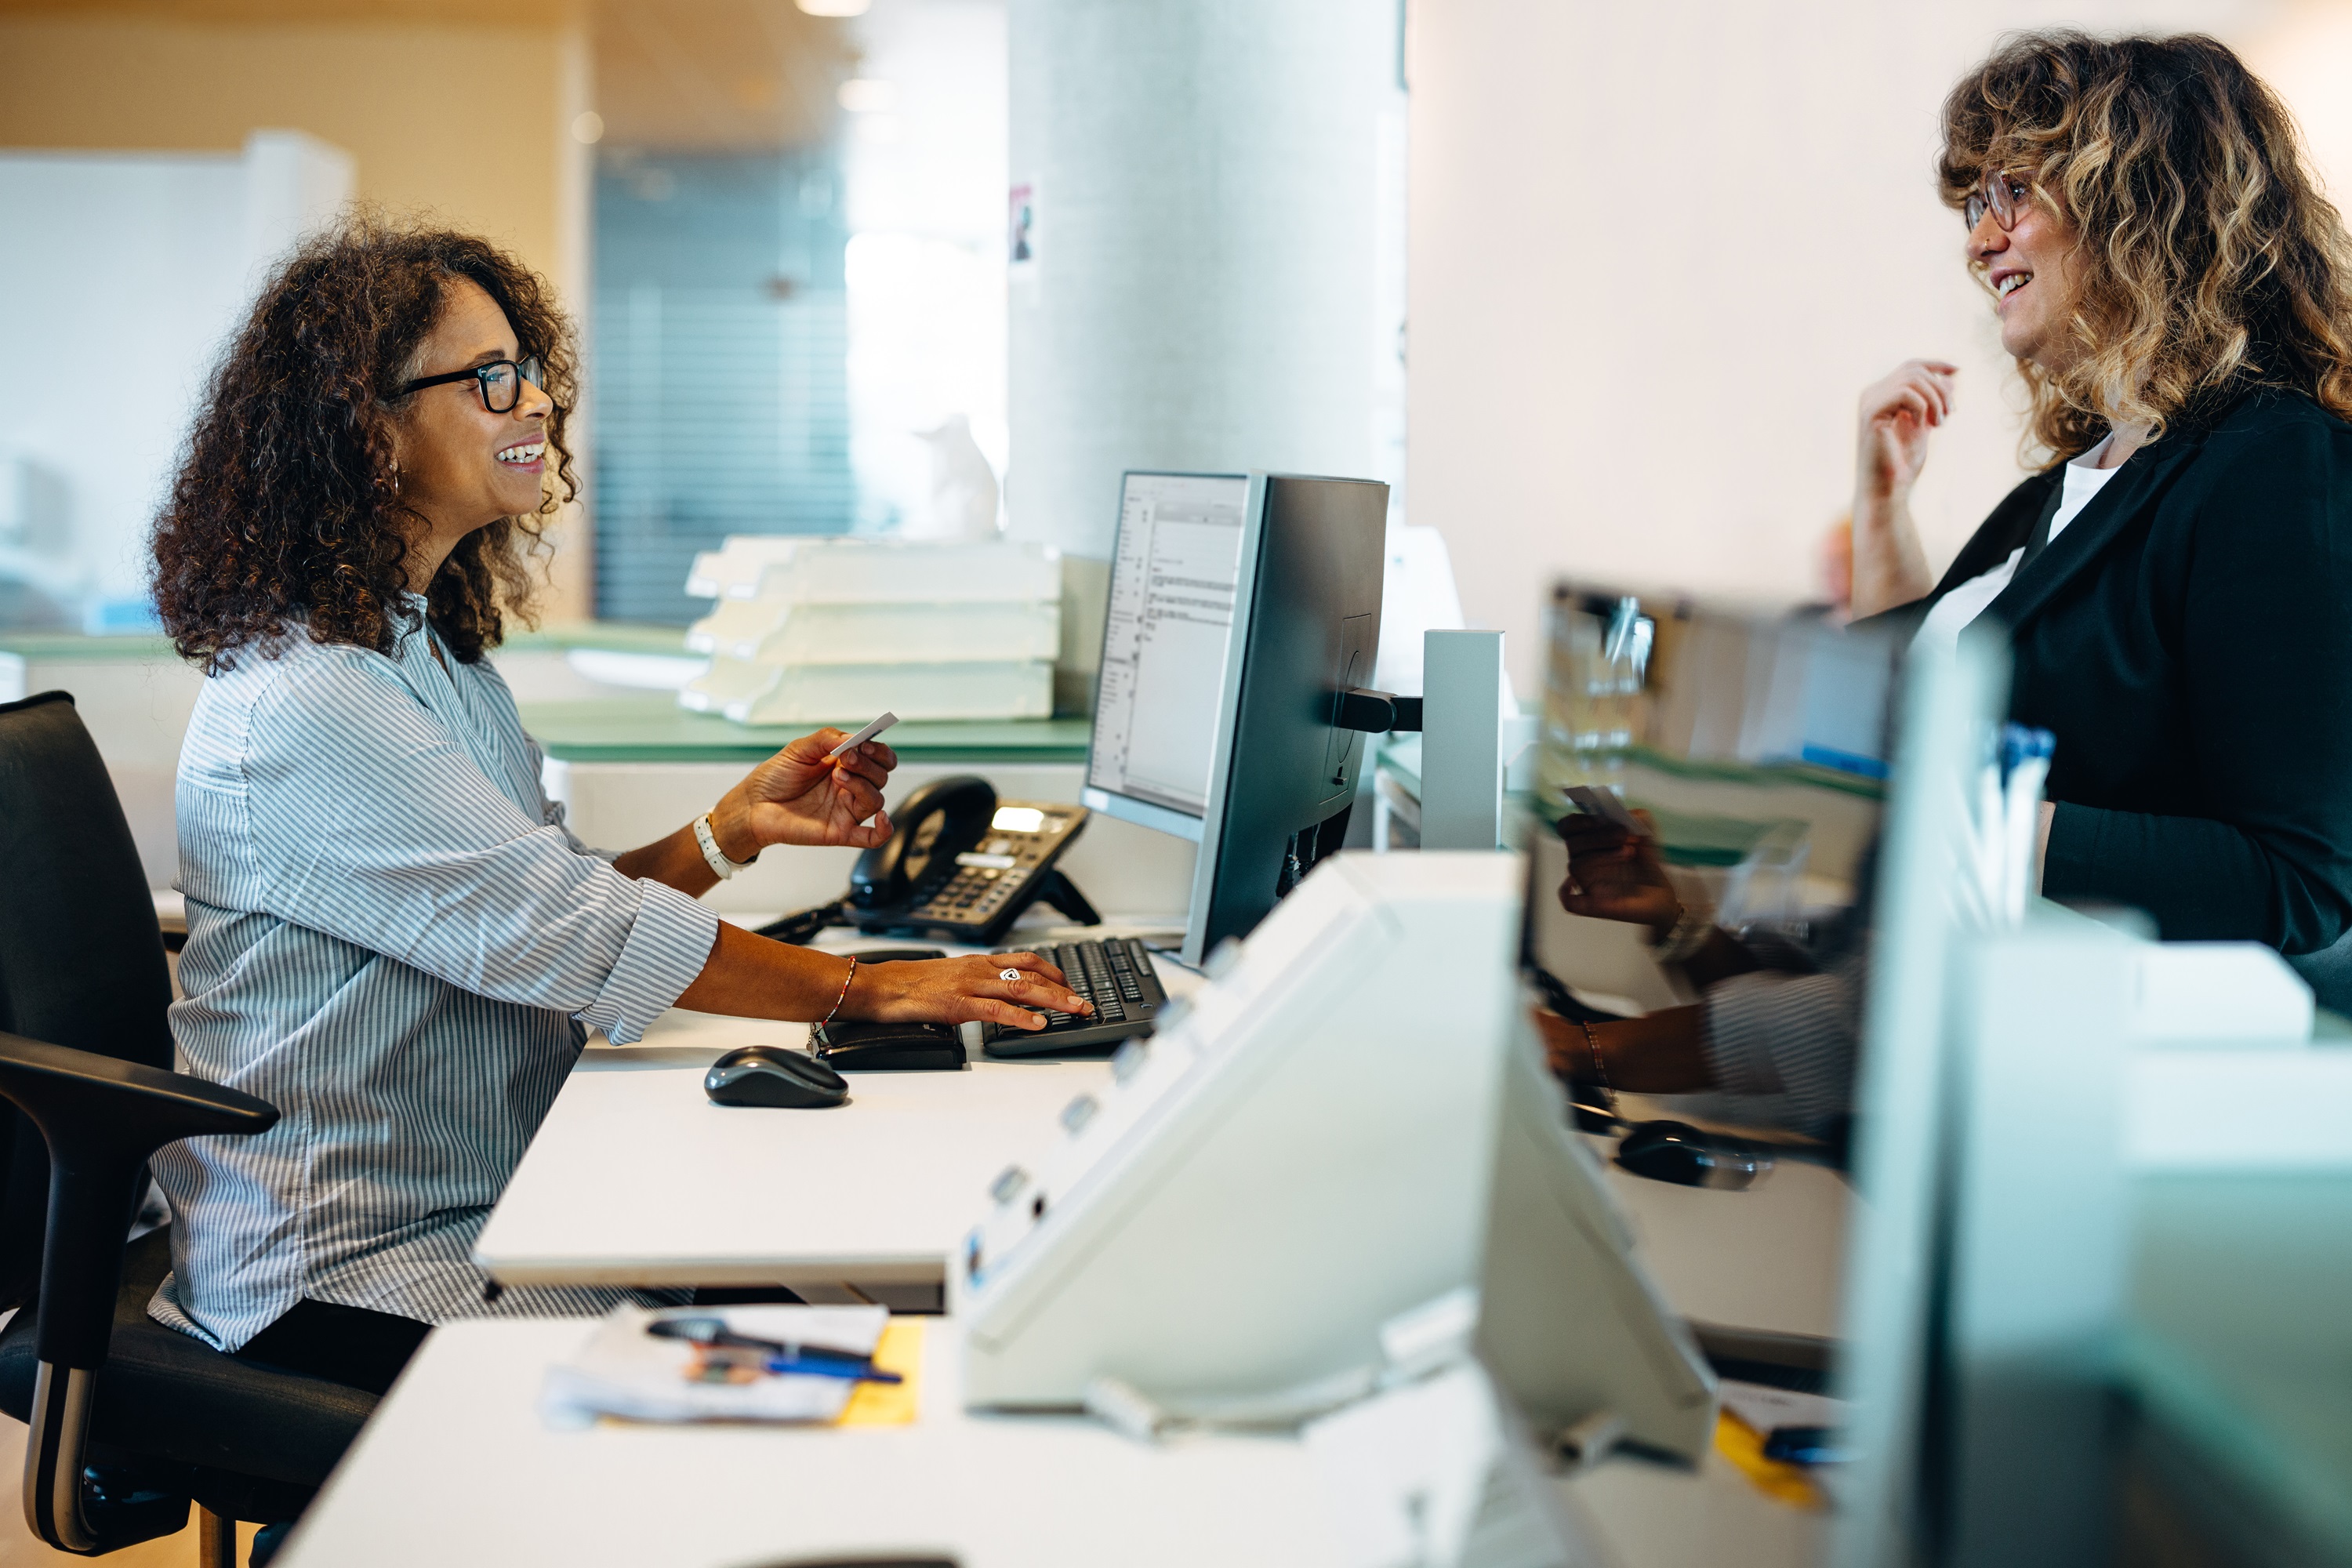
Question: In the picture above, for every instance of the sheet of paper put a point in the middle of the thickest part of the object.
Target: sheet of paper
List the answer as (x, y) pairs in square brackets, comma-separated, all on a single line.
[(622, 1371)]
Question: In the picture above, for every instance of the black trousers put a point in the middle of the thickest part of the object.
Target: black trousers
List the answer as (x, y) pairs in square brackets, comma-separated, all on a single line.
[(361, 1348), (355, 1346)]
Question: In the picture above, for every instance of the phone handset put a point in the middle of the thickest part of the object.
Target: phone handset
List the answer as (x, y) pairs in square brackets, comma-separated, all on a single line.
[(945, 818), (960, 865)]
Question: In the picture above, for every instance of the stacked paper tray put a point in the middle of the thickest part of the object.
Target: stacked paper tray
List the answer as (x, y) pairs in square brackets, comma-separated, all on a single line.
[(817, 629), (785, 632), (836, 570), (751, 693)]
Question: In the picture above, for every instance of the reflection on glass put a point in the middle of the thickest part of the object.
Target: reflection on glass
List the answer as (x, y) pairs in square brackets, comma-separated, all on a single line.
[(1756, 740)]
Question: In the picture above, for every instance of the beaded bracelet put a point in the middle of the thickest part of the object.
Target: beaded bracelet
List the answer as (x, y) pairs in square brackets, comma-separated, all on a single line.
[(845, 981), (1599, 1072)]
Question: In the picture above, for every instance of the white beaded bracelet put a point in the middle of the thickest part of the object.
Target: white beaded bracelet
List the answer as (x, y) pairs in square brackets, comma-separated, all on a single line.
[(1691, 931), (713, 855)]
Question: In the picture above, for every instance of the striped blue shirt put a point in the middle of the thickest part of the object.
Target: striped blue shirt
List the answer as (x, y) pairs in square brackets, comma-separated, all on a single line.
[(394, 940)]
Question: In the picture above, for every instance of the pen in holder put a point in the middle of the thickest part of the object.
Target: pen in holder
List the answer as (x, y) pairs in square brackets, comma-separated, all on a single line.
[(1996, 877)]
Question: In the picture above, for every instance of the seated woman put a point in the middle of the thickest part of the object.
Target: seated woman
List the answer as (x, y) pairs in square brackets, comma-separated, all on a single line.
[(392, 935), (2178, 295)]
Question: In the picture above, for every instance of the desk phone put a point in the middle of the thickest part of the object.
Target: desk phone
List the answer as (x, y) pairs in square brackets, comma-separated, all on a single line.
[(963, 865)]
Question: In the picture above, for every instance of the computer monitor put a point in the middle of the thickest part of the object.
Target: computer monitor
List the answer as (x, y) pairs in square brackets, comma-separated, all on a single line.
[(1241, 608)]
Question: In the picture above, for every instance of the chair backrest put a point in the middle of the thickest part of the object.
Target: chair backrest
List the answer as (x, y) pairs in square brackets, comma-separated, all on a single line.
[(81, 961)]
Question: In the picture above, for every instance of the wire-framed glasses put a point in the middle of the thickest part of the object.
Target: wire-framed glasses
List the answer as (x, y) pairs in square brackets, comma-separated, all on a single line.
[(499, 381), (2001, 193)]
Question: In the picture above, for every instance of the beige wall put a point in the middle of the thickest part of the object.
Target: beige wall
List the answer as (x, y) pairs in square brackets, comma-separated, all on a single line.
[(471, 124), (1656, 252)]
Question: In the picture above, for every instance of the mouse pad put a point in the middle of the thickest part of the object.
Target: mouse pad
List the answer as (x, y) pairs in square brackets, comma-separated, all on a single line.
[(900, 1350)]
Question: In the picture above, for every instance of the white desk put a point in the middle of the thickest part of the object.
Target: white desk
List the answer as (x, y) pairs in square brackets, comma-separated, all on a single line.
[(457, 1464), (1772, 1257), (635, 1178)]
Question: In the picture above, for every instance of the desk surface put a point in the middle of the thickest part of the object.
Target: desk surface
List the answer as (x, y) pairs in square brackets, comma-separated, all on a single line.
[(461, 1428), (636, 1178)]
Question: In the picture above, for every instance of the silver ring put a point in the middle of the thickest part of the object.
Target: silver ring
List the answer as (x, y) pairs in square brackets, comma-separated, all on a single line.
[(1008, 974)]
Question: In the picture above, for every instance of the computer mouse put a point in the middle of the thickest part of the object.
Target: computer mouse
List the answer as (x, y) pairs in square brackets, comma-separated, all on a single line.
[(770, 1075), (1690, 1157)]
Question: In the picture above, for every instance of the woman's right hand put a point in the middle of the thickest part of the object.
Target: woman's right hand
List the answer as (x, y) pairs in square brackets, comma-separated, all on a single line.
[(1613, 874), (961, 991), (1897, 413)]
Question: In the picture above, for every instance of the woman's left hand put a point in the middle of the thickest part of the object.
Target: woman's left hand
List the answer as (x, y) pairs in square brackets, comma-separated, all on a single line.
[(803, 796)]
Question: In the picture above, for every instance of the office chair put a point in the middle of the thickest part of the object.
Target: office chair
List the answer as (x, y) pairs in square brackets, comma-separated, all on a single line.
[(130, 1421)]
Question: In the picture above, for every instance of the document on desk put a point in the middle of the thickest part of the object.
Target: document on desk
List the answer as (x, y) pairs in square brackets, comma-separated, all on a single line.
[(622, 1371)]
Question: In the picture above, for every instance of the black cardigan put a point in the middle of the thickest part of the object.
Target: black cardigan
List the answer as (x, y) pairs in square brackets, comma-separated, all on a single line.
[(2188, 641)]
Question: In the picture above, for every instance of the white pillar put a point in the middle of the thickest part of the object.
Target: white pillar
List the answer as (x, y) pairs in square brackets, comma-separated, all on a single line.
[(1208, 189)]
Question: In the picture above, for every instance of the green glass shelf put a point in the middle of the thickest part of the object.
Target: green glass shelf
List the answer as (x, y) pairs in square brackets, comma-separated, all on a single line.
[(75, 646), (652, 728), (556, 637)]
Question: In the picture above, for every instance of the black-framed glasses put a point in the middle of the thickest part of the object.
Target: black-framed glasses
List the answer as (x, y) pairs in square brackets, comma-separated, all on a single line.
[(2001, 193), (500, 381)]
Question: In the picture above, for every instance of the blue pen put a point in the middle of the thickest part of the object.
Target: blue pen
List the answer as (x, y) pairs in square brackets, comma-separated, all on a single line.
[(810, 1366), (711, 1333)]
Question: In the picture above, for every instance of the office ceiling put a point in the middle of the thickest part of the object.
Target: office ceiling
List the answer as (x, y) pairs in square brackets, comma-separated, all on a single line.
[(717, 74), (711, 76)]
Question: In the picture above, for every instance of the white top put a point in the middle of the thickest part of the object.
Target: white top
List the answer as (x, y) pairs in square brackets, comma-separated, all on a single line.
[(2083, 480)]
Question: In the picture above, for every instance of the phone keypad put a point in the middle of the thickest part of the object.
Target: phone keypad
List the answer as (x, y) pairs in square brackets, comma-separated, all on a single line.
[(975, 893), (989, 874)]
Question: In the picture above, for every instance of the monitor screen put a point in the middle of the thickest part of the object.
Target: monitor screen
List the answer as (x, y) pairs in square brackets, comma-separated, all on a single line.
[(1165, 638)]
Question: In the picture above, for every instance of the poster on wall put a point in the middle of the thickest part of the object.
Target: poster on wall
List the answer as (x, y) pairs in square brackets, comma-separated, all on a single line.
[(1020, 231)]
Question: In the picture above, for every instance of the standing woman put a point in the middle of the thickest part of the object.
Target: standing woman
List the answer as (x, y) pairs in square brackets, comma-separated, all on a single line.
[(392, 935), (2177, 583)]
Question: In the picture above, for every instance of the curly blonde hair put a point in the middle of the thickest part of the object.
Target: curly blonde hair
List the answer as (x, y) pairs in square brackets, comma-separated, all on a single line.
[(2207, 256)]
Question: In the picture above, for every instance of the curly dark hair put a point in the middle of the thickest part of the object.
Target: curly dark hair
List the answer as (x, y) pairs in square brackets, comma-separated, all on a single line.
[(2210, 257), (286, 512)]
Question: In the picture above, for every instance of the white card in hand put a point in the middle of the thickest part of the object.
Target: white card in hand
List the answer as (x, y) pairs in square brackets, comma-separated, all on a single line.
[(862, 736), (1604, 805)]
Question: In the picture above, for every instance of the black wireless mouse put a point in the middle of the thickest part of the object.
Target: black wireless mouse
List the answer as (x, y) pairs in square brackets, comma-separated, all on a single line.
[(770, 1075), (1687, 1156), (888, 1047)]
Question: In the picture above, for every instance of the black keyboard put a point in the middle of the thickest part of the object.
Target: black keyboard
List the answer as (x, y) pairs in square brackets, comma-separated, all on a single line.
[(1113, 975)]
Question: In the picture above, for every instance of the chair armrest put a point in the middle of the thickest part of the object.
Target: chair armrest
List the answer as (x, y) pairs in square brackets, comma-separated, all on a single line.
[(101, 1119)]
